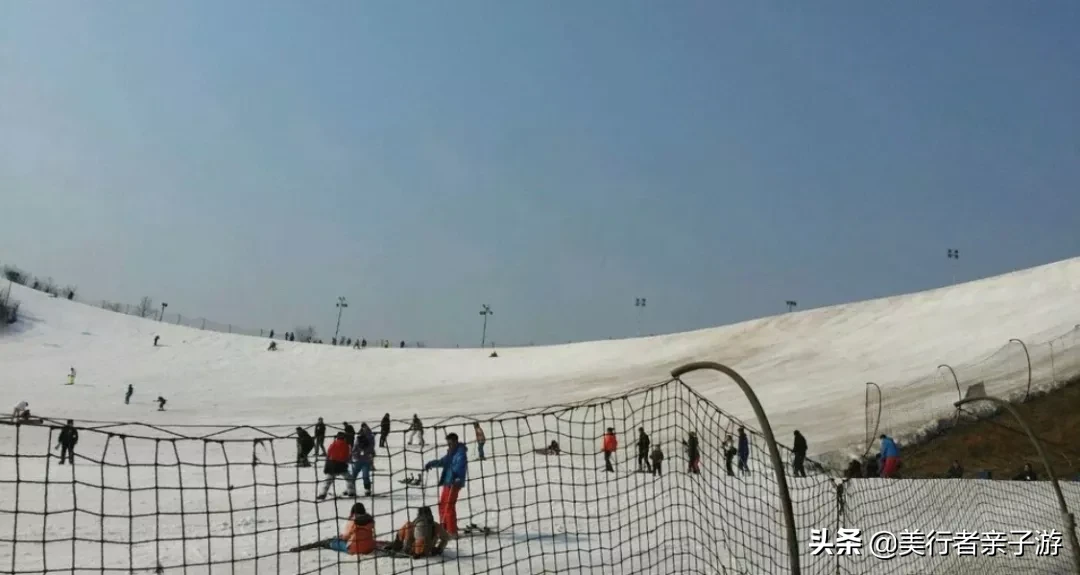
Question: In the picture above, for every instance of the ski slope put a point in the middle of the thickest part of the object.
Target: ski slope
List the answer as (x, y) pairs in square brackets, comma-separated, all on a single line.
[(808, 368)]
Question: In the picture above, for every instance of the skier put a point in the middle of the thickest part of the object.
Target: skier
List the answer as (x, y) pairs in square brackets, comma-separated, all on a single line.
[(333, 341), (363, 343), (71, 377), (20, 408), (643, 451), (350, 433), (728, 448), (744, 451), (272, 346), (337, 465), (271, 334), (693, 453), (955, 470), (421, 537), (127, 395), (304, 445), (455, 466), (358, 537), (1028, 474), (417, 428), (320, 436), (69, 436), (609, 447), (156, 338), (402, 344), (161, 403), (800, 455), (890, 456), (384, 430), (363, 453), (657, 460), (481, 439)]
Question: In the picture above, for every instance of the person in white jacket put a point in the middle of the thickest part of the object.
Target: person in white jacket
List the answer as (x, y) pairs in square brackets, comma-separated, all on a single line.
[(20, 408)]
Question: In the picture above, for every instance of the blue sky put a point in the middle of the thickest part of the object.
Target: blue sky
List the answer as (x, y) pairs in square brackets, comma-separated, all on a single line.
[(251, 161)]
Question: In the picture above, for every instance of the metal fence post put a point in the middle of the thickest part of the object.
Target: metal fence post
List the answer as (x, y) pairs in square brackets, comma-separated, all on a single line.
[(774, 451)]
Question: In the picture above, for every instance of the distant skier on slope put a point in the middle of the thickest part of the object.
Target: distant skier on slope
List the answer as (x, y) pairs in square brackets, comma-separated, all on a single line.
[(657, 457), (481, 439), (611, 443), (71, 377), (69, 436), (127, 395), (744, 451), (799, 449), (729, 451), (161, 403), (304, 445), (156, 338), (643, 451), (350, 433), (417, 428), (362, 456), (384, 430), (693, 453), (320, 436)]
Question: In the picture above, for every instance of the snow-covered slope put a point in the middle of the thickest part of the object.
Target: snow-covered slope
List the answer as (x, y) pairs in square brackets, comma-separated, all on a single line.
[(809, 368)]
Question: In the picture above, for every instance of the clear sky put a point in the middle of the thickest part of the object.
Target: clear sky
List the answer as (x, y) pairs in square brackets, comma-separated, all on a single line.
[(251, 161)]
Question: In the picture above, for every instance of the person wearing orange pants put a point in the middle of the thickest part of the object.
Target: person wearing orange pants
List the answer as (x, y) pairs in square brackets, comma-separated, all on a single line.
[(455, 469)]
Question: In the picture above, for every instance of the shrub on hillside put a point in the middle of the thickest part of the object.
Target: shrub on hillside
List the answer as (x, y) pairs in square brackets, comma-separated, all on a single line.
[(15, 275), (69, 292), (145, 307), (9, 308), (305, 334)]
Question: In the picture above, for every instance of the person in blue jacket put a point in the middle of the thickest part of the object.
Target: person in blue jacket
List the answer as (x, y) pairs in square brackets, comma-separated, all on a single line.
[(744, 450), (890, 456), (455, 469)]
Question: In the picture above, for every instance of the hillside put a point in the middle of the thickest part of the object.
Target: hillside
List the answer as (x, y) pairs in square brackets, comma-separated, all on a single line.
[(809, 368)]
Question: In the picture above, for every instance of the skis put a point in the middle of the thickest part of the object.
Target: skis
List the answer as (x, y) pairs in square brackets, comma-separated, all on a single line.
[(474, 530)]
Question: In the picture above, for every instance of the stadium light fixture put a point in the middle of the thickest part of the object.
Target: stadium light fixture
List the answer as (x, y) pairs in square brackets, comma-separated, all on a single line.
[(639, 303), (791, 304), (341, 305), (161, 316), (485, 310)]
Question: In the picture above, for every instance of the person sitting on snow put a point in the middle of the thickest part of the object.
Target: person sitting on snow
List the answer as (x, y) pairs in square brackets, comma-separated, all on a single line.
[(357, 538), (421, 537), (551, 449)]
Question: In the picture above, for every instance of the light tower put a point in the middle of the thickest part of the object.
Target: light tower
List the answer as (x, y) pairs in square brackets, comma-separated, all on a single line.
[(341, 305), (485, 310)]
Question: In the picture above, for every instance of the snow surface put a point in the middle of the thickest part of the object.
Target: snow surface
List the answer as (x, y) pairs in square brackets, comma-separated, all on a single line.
[(808, 368)]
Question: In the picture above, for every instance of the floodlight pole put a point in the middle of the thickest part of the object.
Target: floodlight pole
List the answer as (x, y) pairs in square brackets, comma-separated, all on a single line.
[(1067, 517), (341, 305), (774, 451), (161, 317), (791, 304), (485, 311), (639, 303), (953, 254)]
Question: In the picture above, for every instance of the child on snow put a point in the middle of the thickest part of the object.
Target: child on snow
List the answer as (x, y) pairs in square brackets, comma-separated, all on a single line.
[(357, 538), (657, 457)]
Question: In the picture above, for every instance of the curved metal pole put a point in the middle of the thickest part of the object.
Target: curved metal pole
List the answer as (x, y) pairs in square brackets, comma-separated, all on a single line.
[(1028, 356), (959, 394), (1068, 518), (877, 424), (1053, 369), (770, 440)]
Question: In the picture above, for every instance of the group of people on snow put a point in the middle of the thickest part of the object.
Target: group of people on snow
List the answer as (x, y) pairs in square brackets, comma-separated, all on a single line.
[(419, 537)]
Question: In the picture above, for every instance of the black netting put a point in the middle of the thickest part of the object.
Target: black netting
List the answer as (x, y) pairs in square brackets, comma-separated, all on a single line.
[(141, 499)]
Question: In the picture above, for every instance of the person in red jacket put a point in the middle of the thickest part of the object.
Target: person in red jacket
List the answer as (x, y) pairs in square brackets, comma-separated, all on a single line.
[(337, 465), (609, 447)]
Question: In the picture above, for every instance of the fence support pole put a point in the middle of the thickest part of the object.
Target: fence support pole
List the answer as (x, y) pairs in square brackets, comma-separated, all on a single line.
[(770, 440), (877, 424), (1028, 356), (1067, 517)]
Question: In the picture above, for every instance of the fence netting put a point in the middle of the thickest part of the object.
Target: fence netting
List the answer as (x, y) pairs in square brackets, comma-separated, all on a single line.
[(142, 499)]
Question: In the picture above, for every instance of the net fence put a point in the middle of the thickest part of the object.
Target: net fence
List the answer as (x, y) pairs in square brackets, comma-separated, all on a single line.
[(142, 499), (193, 499)]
